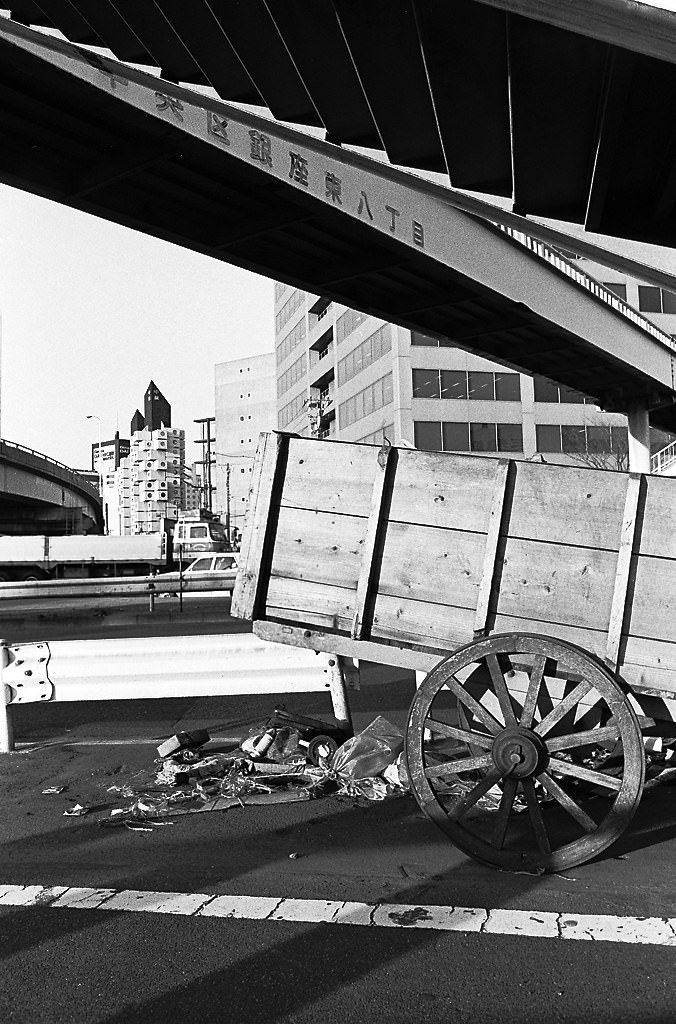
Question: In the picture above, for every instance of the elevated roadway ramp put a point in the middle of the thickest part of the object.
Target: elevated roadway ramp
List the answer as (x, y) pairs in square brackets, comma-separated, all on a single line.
[(101, 137), (41, 495)]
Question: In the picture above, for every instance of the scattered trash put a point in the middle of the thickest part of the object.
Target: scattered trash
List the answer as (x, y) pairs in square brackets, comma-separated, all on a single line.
[(182, 741), (76, 811), (294, 856), (287, 759), (53, 789)]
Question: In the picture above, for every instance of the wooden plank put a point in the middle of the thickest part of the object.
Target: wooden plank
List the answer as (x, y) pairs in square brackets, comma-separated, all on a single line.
[(652, 611), (567, 505), (366, 584), (658, 536), (619, 604), (443, 490), (332, 643), (329, 476), (251, 579), (323, 547), (495, 526)]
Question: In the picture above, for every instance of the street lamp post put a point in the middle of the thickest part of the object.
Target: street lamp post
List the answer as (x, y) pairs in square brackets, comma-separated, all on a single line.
[(93, 416)]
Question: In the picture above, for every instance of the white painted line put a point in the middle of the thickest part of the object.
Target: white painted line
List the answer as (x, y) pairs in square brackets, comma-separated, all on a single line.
[(654, 931)]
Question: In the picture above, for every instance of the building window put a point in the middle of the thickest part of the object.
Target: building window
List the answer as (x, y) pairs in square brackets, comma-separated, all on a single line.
[(426, 384), (547, 391), (369, 352), (455, 437), (369, 400), (480, 386), (617, 289), (461, 384), (348, 322), (291, 410), (290, 342), (468, 437), (418, 338), (595, 440), (453, 384), (510, 437), (295, 373), (427, 436), (656, 300), (293, 303)]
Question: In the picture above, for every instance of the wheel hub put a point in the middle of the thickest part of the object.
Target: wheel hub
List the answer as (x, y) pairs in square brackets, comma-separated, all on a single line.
[(519, 752)]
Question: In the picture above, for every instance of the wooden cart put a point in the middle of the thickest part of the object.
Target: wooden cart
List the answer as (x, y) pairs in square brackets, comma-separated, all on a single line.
[(539, 598)]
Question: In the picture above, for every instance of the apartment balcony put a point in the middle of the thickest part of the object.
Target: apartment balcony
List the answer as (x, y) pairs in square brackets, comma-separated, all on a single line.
[(322, 369)]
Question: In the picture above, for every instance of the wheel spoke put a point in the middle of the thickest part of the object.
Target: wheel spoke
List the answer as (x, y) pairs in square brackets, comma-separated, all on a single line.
[(463, 804), (477, 709), (536, 819), (467, 764), (563, 707), (568, 804), (504, 811), (576, 770), (466, 735), (534, 683), (589, 738), (501, 689)]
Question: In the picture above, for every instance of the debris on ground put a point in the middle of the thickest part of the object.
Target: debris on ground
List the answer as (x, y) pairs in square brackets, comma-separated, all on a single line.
[(53, 789), (183, 741), (76, 811), (285, 760)]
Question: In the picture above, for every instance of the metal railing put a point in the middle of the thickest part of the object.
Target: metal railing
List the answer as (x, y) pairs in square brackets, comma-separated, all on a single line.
[(664, 459), (159, 667), (554, 258), (129, 586)]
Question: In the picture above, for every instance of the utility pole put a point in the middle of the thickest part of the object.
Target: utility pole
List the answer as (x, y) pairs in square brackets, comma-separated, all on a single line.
[(227, 502), (207, 461)]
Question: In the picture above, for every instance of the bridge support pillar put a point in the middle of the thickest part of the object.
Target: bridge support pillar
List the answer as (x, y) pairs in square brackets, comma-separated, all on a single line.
[(6, 730), (639, 439)]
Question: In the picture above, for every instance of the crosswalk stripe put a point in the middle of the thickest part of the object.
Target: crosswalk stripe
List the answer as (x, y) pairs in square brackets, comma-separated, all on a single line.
[(655, 931)]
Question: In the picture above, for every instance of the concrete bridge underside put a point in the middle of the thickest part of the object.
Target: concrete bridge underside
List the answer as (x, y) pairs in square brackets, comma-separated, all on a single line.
[(97, 135)]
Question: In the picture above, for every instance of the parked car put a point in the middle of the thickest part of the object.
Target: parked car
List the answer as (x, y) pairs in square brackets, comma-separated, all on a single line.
[(221, 568)]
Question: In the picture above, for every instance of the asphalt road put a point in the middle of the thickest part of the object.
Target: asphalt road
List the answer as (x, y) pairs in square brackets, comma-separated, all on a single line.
[(77, 963)]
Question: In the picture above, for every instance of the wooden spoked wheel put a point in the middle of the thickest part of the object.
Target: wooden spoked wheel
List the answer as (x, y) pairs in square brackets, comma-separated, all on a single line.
[(536, 758)]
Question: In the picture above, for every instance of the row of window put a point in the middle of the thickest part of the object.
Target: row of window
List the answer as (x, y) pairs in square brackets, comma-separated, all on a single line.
[(385, 433), (374, 397), (348, 322), (279, 290), (291, 376), (472, 384), (291, 341), (595, 440), (294, 302), (365, 354), (432, 436), (650, 299), (288, 413)]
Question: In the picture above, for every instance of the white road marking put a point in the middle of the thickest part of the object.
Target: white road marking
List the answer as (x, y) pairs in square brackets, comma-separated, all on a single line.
[(655, 931)]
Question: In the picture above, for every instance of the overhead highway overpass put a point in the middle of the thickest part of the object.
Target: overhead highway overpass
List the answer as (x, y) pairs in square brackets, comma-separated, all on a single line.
[(40, 495), (103, 137)]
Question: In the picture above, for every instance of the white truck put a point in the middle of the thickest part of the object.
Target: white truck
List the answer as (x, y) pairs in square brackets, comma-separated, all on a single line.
[(40, 557)]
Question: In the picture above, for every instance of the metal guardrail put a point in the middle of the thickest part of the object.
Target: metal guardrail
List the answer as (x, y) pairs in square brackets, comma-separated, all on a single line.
[(129, 586), (589, 284), (158, 667), (663, 459)]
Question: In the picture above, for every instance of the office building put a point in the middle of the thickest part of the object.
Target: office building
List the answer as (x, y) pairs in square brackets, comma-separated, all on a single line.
[(244, 406), (343, 374)]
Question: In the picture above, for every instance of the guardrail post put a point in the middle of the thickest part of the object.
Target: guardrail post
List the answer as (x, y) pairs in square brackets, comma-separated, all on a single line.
[(151, 593), (6, 730), (341, 707)]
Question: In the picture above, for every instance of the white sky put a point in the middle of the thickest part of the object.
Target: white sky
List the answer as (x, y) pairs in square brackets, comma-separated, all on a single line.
[(91, 311)]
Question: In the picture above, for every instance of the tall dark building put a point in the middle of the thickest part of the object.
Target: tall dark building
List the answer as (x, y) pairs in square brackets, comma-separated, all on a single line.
[(156, 408), (137, 423)]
